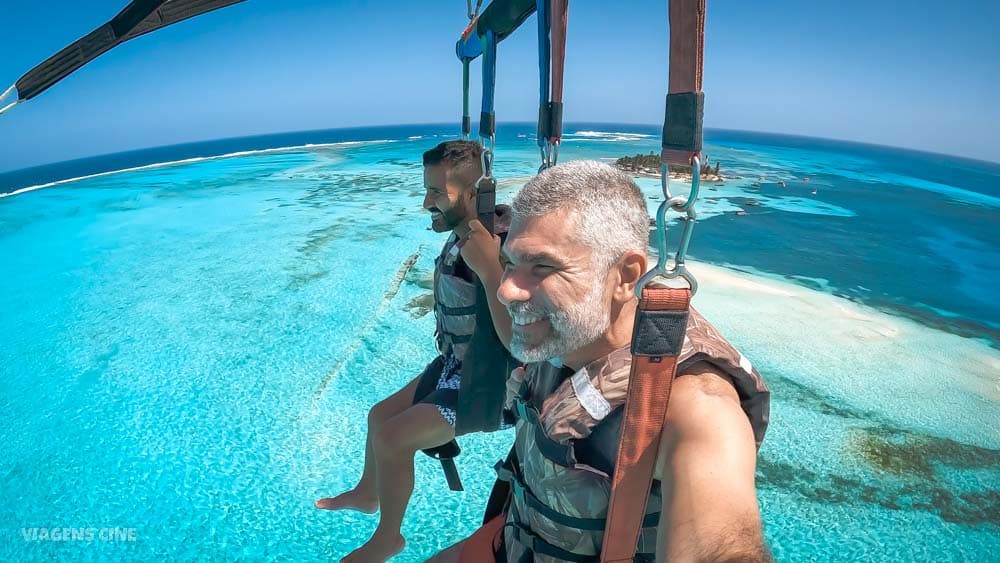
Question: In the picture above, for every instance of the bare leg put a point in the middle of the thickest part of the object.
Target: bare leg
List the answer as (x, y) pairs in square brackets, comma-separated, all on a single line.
[(364, 496), (449, 555), (418, 427)]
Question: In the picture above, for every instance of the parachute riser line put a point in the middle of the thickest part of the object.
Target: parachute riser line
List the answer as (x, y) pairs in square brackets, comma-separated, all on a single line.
[(682, 205), (473, 13), (552, 24), (550, 155), (6, 94), (486, 185), (486, 158)]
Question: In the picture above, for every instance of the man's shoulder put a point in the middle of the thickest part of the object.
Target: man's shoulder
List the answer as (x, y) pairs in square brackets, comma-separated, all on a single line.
[(703, 397), (705, 416)]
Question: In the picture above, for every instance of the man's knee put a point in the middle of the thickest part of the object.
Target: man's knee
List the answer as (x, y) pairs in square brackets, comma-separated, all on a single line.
[(379, 414), (388, 439), (418, 428)]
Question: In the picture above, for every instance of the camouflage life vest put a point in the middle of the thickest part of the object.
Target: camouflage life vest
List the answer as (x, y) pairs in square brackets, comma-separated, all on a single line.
[(567, 435), (454, 302)]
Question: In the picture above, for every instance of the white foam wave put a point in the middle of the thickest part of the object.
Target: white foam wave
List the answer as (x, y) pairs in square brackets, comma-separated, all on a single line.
[(193, 160), (606, 136)]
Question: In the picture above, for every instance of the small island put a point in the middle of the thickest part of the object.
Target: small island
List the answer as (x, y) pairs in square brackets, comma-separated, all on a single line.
[(649, 165)]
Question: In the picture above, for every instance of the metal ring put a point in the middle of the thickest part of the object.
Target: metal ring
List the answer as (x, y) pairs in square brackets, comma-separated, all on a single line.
[(695, 184), (682, 246), (692, 197), (486, 158), (680, 204), (665, 180)]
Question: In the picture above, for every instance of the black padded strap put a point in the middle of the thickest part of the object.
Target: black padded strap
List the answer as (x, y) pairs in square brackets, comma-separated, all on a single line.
[(682, 126), (659, 333)]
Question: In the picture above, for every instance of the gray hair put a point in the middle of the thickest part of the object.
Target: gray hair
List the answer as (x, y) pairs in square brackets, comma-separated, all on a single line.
[(609, 212)]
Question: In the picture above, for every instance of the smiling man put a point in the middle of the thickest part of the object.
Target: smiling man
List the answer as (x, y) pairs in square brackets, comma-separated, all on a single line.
[(424, 413), (574, 254)]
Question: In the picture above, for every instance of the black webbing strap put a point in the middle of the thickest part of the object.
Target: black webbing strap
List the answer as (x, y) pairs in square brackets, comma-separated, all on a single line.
[(486, 203), (446, 454), (466, 118)]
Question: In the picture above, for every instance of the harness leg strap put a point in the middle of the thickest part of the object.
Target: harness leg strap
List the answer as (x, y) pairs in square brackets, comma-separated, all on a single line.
[(451, 474), (446, 454)]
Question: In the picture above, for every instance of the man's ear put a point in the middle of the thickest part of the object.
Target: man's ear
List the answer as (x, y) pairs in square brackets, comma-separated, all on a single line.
[(630, 268)]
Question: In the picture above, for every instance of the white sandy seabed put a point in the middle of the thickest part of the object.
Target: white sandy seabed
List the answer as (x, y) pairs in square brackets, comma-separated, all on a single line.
[(919, 377)]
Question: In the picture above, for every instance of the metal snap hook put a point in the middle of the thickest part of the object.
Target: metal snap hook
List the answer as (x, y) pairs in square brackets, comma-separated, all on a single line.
[(680, 204)]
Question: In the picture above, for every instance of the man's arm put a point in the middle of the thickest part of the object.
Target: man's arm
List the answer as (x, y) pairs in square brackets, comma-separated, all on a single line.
[(706, 464), (481, 252)]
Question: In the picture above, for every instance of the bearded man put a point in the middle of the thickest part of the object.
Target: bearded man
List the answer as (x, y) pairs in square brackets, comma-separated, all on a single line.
[(576, 250)]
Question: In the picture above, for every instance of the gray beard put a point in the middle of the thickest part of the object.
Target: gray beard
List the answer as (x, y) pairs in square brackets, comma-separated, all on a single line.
[(573, 328)]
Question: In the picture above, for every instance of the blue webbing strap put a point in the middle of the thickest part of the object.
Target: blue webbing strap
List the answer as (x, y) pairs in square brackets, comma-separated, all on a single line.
[(544, 60), (487, 120), (466, 118)]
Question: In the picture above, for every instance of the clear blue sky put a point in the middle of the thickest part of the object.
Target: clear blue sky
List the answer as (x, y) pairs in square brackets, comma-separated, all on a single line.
[(910, 73)]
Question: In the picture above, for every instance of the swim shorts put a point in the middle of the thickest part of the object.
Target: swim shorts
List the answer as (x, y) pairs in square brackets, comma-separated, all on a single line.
[(439, 385)]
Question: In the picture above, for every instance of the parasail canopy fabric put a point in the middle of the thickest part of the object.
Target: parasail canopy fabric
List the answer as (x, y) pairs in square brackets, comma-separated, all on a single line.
[(501, 17), (138, 18)]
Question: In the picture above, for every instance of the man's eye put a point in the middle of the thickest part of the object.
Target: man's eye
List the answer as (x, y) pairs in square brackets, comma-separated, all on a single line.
[(542, 269)]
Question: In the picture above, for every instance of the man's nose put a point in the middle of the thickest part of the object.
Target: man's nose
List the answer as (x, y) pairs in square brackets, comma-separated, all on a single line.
[(428, 201), (513, 288)]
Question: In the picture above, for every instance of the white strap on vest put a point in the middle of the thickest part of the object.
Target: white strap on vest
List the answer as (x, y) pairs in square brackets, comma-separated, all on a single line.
[(590, 398)]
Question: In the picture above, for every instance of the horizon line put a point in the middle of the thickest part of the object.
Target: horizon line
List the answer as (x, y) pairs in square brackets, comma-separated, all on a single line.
[(532, 123)]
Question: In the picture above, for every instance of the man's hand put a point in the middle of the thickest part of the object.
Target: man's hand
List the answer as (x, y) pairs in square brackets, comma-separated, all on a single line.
[(513, 386), (481, 250)]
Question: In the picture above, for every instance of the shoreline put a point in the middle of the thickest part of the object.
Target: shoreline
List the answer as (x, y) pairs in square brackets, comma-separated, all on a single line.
[(651, 173)]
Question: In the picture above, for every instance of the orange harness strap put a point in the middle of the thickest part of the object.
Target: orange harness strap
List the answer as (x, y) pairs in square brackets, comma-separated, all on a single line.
[(657, 339)]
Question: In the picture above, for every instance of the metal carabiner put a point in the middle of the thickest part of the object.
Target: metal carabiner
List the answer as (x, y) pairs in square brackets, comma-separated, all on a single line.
[(689, 201), (550, 154), (486, 158), (680, 204)]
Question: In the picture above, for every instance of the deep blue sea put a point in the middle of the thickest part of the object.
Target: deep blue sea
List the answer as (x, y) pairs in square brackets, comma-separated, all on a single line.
[(192, 336)]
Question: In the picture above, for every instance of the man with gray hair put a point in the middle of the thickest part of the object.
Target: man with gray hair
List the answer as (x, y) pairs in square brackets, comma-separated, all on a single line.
[(576, 250)]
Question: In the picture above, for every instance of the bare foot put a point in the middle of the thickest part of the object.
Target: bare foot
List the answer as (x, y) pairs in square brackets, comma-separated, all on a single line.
[(379, 549), (351, 500)]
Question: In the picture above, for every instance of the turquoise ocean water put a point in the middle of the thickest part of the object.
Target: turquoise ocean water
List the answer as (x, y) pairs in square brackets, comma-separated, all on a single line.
[(189, 347)]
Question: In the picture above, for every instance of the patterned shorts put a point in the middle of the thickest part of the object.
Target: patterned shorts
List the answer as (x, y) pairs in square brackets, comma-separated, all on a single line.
[(451, 378)]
